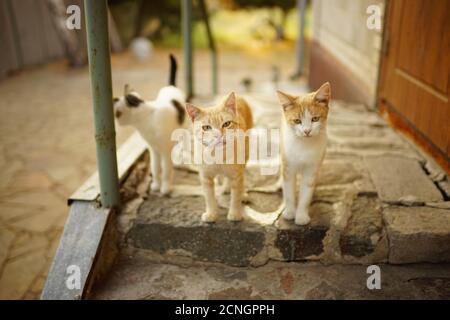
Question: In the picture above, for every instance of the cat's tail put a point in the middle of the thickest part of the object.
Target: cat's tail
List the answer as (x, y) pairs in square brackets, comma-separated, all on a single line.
[(173, 70)]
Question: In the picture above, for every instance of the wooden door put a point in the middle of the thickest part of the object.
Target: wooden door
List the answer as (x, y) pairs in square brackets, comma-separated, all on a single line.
[(415, 69)]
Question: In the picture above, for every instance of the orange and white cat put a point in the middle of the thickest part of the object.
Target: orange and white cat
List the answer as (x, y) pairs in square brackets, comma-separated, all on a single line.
[(211, 128), (303, 144)]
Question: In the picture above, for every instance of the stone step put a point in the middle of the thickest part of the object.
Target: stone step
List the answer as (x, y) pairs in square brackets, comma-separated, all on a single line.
[(171, 226), (349, 225)]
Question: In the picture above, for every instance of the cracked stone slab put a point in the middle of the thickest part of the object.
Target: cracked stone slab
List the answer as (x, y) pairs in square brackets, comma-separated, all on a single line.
[(397, 178), (297, 243), (418, 234), (364, 229)]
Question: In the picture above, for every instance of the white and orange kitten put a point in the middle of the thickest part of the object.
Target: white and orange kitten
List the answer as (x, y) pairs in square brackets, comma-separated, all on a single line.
[(303, 144), (210, 129), (155, 120)]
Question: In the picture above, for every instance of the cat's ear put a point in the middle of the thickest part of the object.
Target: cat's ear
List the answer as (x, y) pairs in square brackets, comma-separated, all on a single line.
[(126, 89), (323, 95), (285, 99), (192, 111), (133, 100), (230, 102)]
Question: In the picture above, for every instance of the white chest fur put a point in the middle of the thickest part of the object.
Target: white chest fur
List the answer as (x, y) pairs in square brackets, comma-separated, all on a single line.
[(299, 152)]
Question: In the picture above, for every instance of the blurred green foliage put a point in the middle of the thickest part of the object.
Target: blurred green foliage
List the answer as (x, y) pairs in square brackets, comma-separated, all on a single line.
[(235, 23)]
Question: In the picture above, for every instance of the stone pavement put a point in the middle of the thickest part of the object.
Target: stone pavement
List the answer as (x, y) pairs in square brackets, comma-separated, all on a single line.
[(142, 278), (378, 201), (47, 148)]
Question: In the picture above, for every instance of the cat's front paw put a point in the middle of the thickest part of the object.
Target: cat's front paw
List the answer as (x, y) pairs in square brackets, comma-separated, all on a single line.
[(234, 215), (288, 214), (302, 219), (166, 189), (154, 186), (246, 198), (209, 217)]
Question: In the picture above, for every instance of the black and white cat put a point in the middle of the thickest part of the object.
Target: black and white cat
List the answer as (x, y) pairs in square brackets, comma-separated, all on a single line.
[(155, 120)]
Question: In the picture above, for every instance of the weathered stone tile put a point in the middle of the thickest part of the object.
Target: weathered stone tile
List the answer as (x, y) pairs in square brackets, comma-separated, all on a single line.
[(26, 244), (297, 243), (324, 291), (18, 275), (42, 197), (397, 178), (6, 240), (300, 242), (354, 118), (337, 172), (264, 202), (233, 246), (345, 131), (186, 177), (8, 173), (363, 143), (15, 212), (364, 228), (40, 221), (418, 234), (25, 180)]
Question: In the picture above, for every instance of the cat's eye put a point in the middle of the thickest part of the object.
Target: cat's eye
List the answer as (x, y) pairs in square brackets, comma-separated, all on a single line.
[(298, 121), (206, 127), (226, 124), (315, 119)]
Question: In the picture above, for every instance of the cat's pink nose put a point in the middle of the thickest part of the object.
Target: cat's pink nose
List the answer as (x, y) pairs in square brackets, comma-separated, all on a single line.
[(307, 131)]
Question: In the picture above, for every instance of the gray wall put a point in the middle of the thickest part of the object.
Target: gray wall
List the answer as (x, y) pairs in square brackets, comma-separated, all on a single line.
[(340, 27), (27, 35)]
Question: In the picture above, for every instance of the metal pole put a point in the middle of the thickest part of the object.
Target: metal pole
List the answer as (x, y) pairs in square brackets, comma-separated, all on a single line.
[(186, 8), (96, 12), (301, 5), (212, 45)]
